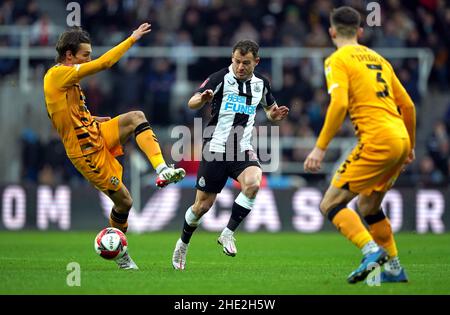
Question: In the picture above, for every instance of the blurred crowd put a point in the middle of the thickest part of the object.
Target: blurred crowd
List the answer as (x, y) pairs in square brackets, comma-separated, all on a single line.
[(434, 167), (148, 84)]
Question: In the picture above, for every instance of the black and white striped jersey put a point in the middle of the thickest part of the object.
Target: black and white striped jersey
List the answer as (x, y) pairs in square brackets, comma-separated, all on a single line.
[(234, 109)]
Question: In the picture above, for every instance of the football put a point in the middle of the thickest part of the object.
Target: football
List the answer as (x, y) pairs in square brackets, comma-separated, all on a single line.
[(110, 243)]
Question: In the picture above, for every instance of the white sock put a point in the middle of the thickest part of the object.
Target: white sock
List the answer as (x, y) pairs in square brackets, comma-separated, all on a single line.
[(227, 231), (244, 201), (160, 168), (369, 248), (393, 266), (183, 242), (191, 218)]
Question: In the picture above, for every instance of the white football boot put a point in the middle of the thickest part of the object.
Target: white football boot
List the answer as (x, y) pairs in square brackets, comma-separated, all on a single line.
[(125, 262), (169, 175), (179, 255), (227, 241)]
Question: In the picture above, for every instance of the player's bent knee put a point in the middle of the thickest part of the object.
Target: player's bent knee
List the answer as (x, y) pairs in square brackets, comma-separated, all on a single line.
[(201, 207), (133, 119), (140, 115), (367, 209), (137, 117), (326, 206), (250, 190)]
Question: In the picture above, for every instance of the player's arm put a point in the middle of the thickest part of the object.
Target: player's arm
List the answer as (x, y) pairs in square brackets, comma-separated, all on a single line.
[(407, 109), (337, 110), (270, 106), (205, 93), (275, 112), (107, 60), (337, 81), (199, 99)]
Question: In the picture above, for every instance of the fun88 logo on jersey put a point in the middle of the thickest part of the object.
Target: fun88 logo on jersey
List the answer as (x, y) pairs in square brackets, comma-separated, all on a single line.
[(237, 104)]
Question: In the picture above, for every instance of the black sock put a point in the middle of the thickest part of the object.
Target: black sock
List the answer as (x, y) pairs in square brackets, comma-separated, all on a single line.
[(374, 218), (118, 217), (187, 232), (238, 213)]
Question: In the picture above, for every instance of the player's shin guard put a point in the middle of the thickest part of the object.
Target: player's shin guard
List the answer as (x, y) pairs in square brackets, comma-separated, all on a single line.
[(191, 222), (118, 220), (381, 231), (349, 224), (148, 143), (241, 208)]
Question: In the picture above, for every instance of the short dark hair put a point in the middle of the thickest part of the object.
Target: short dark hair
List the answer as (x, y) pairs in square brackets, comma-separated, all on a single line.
[(346, 20), (71, 40), (245, 46)]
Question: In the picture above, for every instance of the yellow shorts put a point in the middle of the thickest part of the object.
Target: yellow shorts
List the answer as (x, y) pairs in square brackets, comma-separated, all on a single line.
[(110, 133), (101, 168), (372, 166)]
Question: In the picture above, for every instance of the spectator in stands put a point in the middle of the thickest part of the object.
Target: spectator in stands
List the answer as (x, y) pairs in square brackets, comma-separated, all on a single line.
[(129, 85), (187, 24), (159, 81), (170, 13), (95, 94), (429, 176), (439, 148), (31, 150), (7, 65), (447, 118)]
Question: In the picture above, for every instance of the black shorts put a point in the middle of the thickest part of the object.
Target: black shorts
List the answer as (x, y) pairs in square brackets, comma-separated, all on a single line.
[(213, 175)]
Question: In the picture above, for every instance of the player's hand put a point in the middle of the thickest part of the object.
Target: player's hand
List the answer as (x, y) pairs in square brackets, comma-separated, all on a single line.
[(141, 30), (207, 96), (102, 119), (314, 160), (279, 113), (411, 157)]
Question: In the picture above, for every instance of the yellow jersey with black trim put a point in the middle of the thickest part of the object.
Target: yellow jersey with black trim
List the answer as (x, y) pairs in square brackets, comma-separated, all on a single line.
[(66, 103), (370, 82), (66, 106)]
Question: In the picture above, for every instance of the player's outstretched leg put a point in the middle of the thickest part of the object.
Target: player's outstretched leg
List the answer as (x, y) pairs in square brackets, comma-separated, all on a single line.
[(136, 122), (381, 231), (118, 218), (169, 175), (241, 208), (191, 222), (250, 180), (349, 224)]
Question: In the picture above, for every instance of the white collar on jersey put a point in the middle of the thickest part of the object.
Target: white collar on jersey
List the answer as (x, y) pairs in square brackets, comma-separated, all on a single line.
[(230, 68)]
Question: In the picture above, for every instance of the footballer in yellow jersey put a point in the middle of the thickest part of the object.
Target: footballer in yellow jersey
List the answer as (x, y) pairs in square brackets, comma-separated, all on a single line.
[(92, 143), (372, 94), (363, 85)]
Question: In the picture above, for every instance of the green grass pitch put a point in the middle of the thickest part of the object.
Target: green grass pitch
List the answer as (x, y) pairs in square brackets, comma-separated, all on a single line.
[(283, 263)]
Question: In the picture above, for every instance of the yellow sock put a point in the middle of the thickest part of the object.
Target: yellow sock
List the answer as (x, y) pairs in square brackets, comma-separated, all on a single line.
[(121, 226), (349, 224), (148, 143), (381, 232), (157, 160)]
